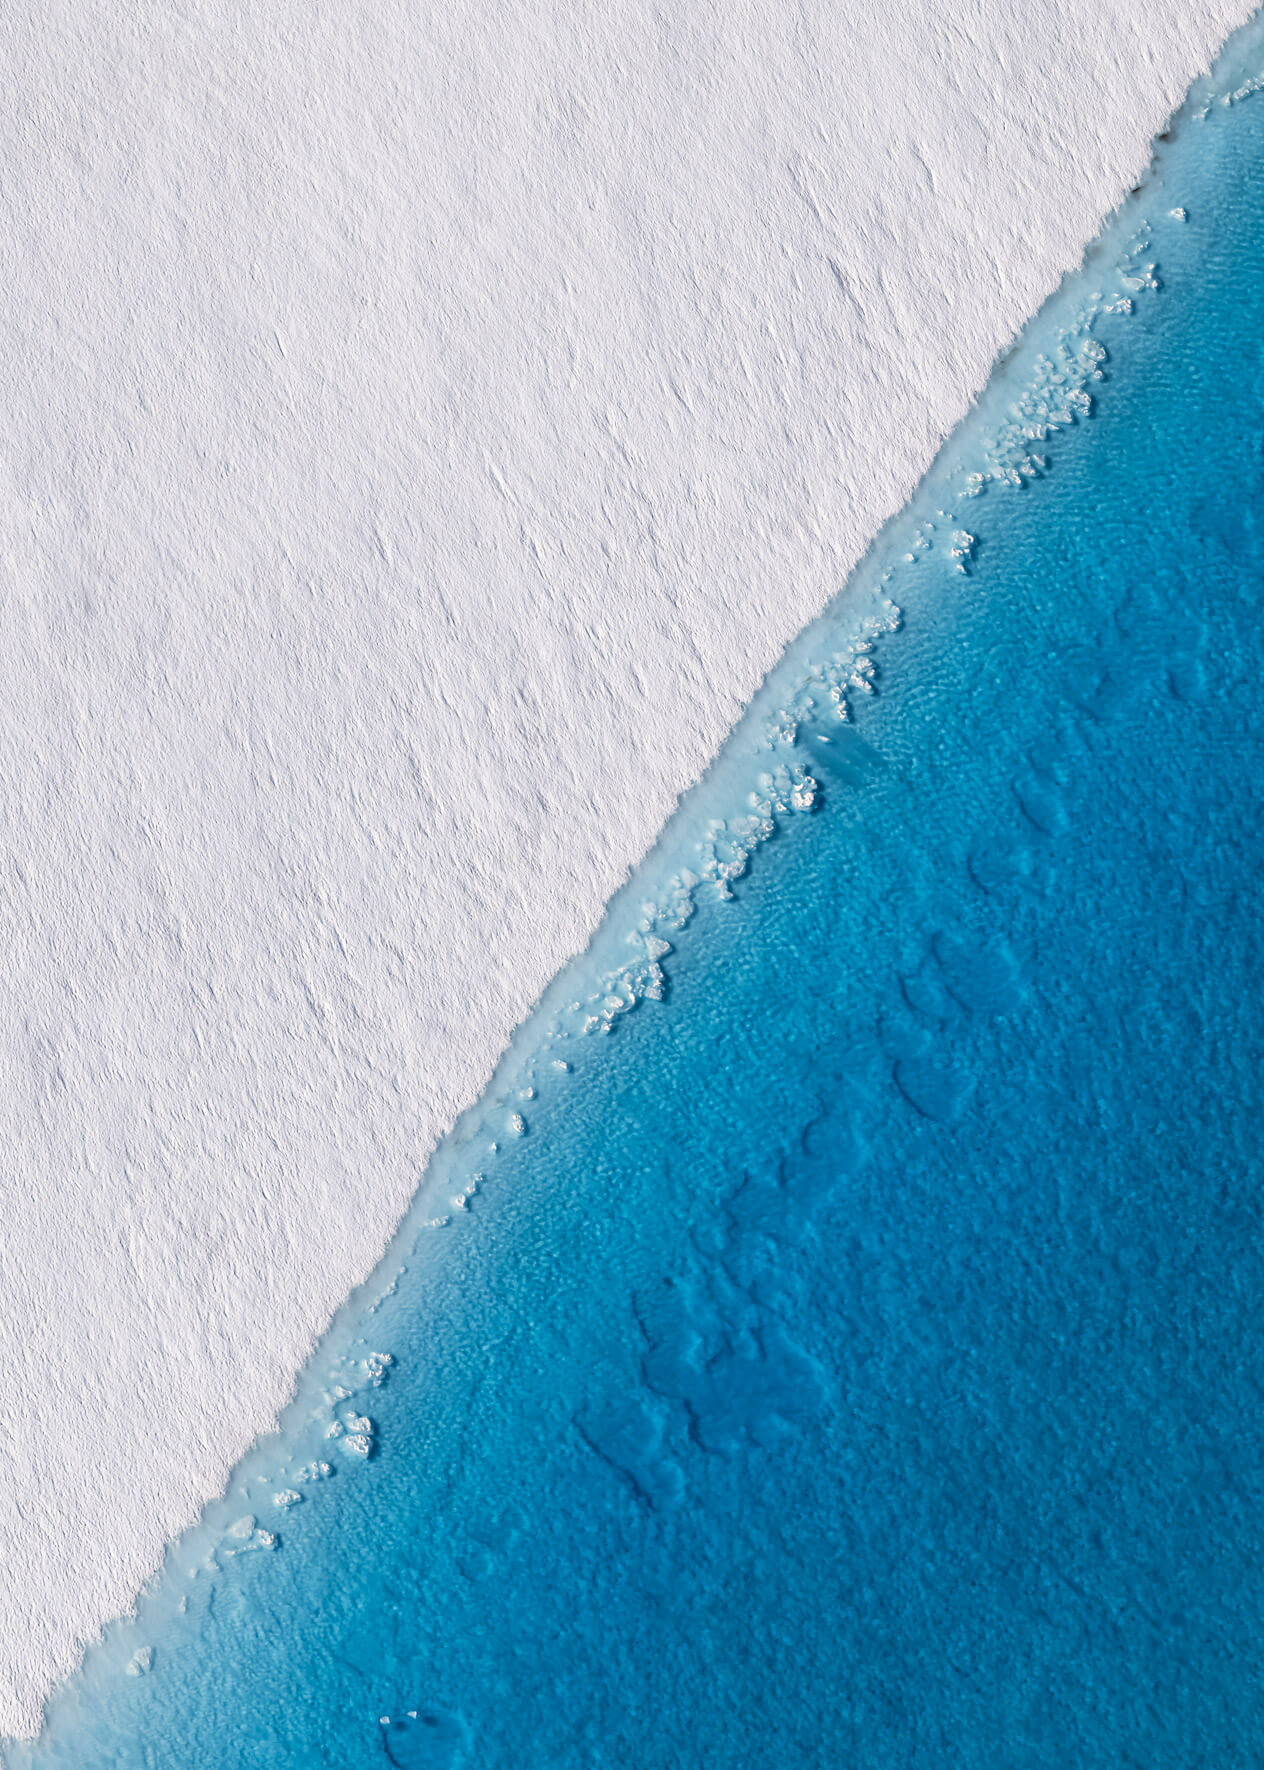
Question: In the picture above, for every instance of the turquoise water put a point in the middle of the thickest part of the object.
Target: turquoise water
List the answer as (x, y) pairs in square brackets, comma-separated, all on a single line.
[(854, 1355)]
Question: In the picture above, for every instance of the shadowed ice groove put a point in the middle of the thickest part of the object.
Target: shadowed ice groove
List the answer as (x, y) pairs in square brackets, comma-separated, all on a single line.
[(857, 1357)]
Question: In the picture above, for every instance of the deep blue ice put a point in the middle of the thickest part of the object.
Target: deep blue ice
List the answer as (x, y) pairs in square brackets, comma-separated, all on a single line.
[(856, 1356)]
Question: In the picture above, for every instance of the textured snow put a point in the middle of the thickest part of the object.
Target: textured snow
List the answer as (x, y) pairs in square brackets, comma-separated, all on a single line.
[(423, 426)]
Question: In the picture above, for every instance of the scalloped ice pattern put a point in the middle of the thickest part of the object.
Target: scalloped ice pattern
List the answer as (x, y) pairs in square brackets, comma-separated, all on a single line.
[(836, 1338)]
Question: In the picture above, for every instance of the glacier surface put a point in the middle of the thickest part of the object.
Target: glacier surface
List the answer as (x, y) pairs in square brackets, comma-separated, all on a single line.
[(424, 428)]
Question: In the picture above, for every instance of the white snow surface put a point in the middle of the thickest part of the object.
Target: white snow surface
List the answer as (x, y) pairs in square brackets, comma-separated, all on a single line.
[(423, 425)]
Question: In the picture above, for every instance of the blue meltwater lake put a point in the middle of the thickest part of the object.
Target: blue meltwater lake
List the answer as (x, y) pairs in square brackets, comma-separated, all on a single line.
[(845, 1344)]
